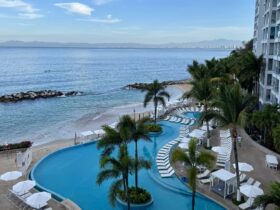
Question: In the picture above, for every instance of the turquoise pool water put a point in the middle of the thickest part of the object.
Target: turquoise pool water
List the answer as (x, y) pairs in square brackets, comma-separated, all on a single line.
[(192, 115), (71, 173)]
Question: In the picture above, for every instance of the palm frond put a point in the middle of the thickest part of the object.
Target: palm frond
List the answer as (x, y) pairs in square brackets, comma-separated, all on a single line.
[(114, 190)]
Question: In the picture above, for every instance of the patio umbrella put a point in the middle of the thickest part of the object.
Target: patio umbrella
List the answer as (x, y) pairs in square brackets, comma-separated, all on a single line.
[(220, 150), (244, 167), (38, 200), (184, 145), (11, 175), (24, 186), (251, 191)]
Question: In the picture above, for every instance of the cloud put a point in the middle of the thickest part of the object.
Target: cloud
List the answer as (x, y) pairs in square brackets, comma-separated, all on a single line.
[(100, 2), (26, 9), (108, 19), (76, 7), (18, 4), (30, 15)]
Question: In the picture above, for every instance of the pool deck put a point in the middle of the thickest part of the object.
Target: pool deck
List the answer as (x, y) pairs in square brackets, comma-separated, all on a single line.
[(7, 163), (248, 152)]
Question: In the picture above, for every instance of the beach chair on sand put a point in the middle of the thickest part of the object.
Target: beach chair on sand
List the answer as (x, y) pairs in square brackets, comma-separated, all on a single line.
[(247, 204)]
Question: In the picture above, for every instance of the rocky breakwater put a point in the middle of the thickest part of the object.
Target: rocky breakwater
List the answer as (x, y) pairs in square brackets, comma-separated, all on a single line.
[(141, 86), (32, 95)]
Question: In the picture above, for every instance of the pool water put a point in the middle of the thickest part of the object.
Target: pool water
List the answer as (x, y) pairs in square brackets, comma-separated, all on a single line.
[(71, 173), (192, 115)]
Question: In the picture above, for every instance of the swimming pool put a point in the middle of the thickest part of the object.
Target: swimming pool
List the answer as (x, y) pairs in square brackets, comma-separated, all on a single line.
[(71, 173), (192, 115)]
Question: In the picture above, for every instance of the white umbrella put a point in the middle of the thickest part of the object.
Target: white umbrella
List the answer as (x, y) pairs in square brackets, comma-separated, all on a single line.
[(184, 145), (38, 200), (24, 186), (251, 191), (244, 167), (12, 175), (220, 150)]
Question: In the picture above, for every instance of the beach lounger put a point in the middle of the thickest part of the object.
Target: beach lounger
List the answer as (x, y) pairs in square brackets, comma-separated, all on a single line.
[(164, 175), (247, 204), (204, 181), (242, 177), (162, 161), (271, 161), (257, 184), (163, 158), (166, 171), (204, 174), (166, 163), (249, 181), (164, 167)]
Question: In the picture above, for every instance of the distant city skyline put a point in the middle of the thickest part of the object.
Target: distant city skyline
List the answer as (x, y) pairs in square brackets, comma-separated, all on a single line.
[(123, 21)]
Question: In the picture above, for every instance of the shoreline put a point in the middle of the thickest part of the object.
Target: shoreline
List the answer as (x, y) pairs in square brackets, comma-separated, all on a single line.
[(93, 121)]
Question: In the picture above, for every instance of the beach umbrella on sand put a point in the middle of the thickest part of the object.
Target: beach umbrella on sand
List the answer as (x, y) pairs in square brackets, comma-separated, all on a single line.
[(11, 175), (23, 187), (251, 191), (38, 200), (244, 167)]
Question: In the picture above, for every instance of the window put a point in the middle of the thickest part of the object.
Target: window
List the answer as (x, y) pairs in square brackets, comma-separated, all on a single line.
[(269, 79)]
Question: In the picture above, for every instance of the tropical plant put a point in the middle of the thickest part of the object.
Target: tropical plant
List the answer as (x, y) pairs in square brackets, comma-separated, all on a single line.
[(192, 159), (273, 197), (265, 120), (232, 103), (276, 137), (118, 169), (156, 93), (202, 91), (138, 131)]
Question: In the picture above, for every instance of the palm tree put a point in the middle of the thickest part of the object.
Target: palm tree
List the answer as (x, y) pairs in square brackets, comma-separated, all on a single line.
[(116, 169), (202, 91), (138, 132), (155, 92), (232, 103), (192, 159), (273, 197)]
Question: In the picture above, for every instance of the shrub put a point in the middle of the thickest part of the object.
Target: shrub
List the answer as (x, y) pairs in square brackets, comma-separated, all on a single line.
[(276, 138), (21, 145), (237, 203), (154, 128), (139, 196)]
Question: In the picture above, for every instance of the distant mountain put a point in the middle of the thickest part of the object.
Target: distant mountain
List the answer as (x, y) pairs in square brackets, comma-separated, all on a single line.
[(214, 44)]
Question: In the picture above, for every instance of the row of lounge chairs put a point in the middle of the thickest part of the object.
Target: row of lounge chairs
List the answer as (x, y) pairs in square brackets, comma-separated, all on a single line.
[(226, 145), (163, 162), (189, 109), (181, 120)]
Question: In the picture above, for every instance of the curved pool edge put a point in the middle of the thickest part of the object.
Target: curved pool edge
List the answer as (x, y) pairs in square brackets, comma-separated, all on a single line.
[(55, 195)]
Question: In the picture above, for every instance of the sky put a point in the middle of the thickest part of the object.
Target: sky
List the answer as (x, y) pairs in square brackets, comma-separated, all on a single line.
[(123, 21)]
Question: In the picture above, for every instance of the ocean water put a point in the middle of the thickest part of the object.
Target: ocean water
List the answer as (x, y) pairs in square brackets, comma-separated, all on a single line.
[(99, 73)]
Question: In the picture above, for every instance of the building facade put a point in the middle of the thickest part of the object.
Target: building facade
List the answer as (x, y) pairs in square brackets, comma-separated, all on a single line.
[(267, 43)]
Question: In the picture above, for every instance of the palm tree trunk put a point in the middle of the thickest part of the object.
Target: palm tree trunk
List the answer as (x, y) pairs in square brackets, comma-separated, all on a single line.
[(207, 122), (136, 165), (234, 136), (127, 194), (193, 200), (155, 112)]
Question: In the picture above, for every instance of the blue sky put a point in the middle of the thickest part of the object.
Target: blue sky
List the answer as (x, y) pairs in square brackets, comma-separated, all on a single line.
[(140, 21)]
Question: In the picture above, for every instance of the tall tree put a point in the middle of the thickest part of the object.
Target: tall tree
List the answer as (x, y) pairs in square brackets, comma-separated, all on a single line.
[(202, 90), (276, 137), (192, 159), (232, 103), (138, 132), (156, 93), (272, 197), (116, 169), (265, 120)]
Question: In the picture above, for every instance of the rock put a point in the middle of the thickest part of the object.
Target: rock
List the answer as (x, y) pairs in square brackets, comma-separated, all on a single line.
[(32, 95)]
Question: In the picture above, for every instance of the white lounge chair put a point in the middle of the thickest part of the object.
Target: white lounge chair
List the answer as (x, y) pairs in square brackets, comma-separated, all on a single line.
[(205, 181), (204, 174), (247, 204), (257, 184), (249, 181)]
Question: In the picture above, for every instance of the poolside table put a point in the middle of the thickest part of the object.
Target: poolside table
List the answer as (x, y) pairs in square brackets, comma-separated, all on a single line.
[(271, 161)]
